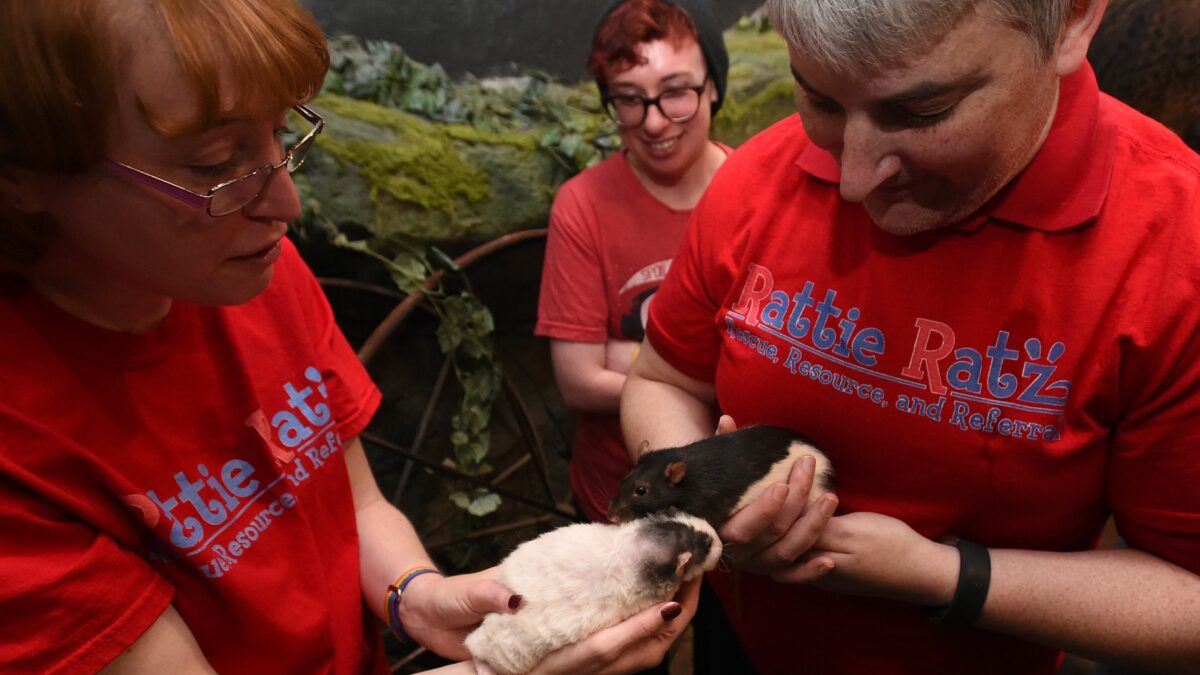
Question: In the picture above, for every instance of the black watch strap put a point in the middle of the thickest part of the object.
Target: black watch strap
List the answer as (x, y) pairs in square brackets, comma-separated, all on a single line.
[(974, 579)]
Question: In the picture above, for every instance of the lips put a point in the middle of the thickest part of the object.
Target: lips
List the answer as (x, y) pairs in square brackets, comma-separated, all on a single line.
[(662, 146), (266, 254)]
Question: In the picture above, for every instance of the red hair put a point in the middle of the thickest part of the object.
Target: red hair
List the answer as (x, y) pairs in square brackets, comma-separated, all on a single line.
[(62, 59), (630, 24)]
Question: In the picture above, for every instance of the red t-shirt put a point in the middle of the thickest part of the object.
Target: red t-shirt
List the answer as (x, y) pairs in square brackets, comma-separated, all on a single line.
[(609, 247), (1013, 380), (200, 465)]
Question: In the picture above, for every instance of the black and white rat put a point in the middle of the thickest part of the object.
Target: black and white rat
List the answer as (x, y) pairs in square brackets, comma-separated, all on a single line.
[(580, 578), (715, 477)]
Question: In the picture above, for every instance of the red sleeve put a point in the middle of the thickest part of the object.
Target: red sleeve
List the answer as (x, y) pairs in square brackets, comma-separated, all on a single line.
[(1154, 468), (573, 304), (682, 320), (353, 394), (72, 598)]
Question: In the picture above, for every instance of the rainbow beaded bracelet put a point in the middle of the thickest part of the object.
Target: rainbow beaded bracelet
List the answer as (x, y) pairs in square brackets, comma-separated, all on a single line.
[(391, 601)]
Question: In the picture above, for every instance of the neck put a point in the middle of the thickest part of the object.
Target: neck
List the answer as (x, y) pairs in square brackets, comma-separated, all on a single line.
[(681, 192), (118, 305)]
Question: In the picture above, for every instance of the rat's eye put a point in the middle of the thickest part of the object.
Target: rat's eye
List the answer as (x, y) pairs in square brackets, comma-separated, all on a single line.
[(640, 491)]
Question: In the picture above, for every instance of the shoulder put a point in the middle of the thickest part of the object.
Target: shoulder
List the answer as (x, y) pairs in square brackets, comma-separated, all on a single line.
[(595, 180), (1144, 145), (769, 156)]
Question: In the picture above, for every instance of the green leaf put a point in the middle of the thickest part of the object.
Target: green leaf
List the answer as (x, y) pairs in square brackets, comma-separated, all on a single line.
[(342, 241), (480, 502), (485, 504)]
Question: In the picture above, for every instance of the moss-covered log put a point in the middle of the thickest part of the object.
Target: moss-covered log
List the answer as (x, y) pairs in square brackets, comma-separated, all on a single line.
[(479, 159)]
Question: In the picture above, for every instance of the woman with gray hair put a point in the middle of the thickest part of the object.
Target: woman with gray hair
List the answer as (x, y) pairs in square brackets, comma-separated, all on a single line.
[(970, 278)]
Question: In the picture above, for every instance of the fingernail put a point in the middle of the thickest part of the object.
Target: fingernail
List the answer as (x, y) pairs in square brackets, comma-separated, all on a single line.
[(514, 601), (671, 611), (828, 507), (779, 492), (809, 462)]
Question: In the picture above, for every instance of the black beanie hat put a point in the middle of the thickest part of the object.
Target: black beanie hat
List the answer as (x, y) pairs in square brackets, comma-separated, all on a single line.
[(712, 42)]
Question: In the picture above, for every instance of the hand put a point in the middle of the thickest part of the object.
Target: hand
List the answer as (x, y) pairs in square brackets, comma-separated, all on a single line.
[(619, 355), (725, 425), (881, 556), (637, 643), (438, 612), (771, 535)]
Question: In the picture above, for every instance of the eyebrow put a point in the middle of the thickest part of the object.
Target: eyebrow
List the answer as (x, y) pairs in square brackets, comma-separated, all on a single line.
[(921, 91), (661, 80)]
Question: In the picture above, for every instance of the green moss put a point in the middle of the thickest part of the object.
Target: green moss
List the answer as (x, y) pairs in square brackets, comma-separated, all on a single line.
[(467, 134), (752, 40), (739, 120), (419, 165)]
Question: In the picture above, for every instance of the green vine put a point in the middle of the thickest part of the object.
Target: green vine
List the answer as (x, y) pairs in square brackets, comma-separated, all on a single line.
[(464, 333)]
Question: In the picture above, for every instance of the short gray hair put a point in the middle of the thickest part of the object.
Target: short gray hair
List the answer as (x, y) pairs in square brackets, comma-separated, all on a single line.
[(878, 33)]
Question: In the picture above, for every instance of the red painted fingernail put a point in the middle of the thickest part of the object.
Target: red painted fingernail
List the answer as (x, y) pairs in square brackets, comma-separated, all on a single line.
[(671, 611), (514, 601)]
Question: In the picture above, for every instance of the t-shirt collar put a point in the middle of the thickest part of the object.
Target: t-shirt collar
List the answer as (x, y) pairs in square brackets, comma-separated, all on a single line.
[(1066, 183)]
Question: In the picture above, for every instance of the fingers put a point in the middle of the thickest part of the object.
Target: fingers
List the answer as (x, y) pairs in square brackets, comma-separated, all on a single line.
[(799, 538), (806, 570), (487, 595), (726, 425), (799, 485), (635, 644), (747, 524)]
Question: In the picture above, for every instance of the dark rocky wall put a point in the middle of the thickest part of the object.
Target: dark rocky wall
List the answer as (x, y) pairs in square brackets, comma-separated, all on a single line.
[(486, 37)]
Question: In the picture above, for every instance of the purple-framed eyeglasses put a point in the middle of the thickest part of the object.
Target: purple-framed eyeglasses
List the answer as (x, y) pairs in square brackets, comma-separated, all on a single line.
[(233, 195)]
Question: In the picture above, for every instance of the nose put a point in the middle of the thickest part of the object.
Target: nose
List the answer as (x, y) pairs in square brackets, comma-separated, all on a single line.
[(655, 122), (278, 201), (865, 158)]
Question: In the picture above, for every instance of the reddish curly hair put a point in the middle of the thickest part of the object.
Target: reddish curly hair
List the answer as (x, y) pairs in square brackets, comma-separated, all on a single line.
[(630, 24)]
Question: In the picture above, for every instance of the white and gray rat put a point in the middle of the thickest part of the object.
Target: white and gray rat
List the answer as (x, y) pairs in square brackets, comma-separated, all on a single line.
[(715, 477), (580, 578)]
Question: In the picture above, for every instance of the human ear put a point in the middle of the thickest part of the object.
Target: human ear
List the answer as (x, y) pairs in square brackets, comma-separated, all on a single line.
[(1082, 23)]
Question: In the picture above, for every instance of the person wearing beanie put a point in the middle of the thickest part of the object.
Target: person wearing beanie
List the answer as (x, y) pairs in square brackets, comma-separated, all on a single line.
[(614, 227), (661, 70)]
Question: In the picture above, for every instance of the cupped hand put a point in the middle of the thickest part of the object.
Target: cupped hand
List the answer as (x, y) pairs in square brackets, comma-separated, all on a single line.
[(881, 556), (774, 532), (637, 643), (439, 612)]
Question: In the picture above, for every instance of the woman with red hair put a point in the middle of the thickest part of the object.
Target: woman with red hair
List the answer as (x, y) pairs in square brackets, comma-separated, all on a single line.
[(661, 72), (661, 69), (182, 488)]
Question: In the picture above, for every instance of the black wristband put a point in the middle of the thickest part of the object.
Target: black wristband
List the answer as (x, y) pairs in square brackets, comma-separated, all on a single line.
[(974, 578)]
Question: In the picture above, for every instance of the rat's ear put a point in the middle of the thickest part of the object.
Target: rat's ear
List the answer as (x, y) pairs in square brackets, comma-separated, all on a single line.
[(643, 448), (674, 472), (681, 563)]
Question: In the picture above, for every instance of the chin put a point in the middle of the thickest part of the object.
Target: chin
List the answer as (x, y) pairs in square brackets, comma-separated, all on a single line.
[(229, 293), (906, 218)]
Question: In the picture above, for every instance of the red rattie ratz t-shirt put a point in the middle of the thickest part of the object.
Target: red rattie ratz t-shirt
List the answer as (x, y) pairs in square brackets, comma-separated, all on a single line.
[(200, 465), (610, 246), (1012, 380)]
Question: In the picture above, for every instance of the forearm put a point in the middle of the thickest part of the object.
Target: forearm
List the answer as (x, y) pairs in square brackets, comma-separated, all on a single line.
[(586, 381), (662, 407), (1120, 606), (388, 545), (598, 394)]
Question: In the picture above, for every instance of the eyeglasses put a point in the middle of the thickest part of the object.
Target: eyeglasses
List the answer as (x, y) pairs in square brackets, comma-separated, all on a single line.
[(233, 195), (678, 105)]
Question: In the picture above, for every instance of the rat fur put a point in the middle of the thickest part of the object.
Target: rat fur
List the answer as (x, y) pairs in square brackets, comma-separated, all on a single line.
[(715, 477), (580, 578)]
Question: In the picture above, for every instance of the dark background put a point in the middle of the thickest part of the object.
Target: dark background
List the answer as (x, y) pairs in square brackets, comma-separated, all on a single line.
[(487, 37)]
